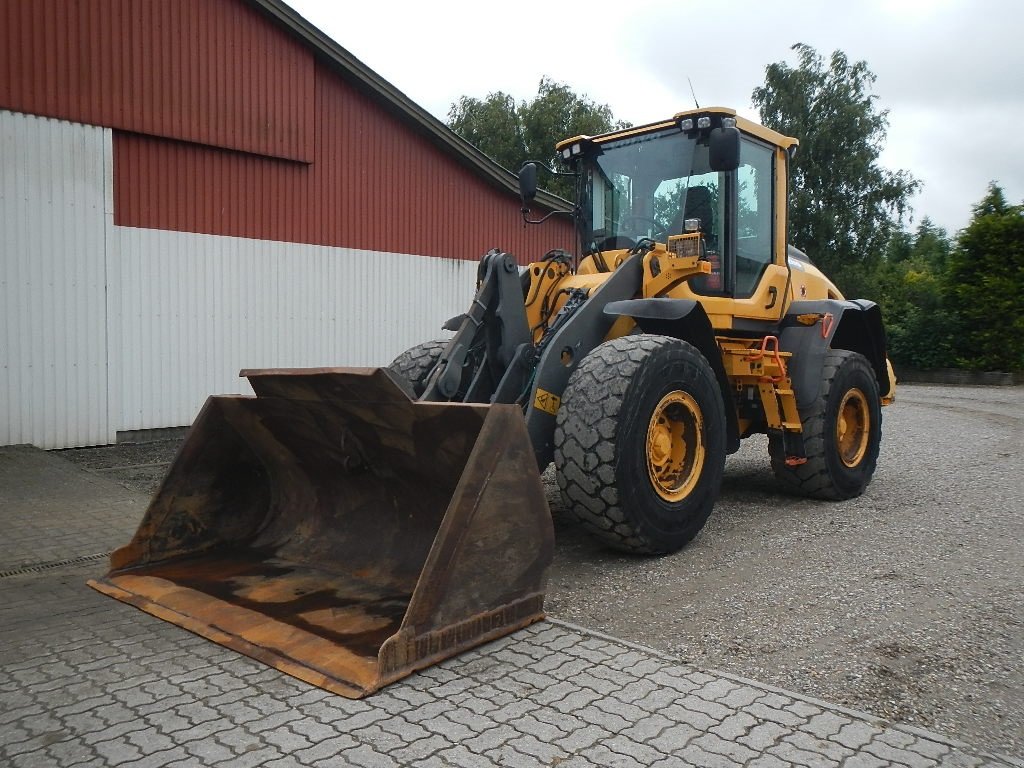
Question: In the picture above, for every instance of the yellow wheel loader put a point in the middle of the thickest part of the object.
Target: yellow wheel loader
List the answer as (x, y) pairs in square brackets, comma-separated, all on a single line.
[(350, 526), (686, 324)]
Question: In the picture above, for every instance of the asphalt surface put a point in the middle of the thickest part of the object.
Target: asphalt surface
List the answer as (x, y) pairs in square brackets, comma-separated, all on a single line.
[(907, 603)]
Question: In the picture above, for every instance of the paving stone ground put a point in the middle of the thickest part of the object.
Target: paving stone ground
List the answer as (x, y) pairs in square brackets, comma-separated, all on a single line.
[(51, 510), (88, 681)]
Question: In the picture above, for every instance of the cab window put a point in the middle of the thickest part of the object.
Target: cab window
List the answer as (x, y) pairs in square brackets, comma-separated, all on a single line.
[(754, 216)]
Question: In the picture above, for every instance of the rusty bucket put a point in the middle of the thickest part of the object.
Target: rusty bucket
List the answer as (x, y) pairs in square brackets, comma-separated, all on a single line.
[(341, 532)]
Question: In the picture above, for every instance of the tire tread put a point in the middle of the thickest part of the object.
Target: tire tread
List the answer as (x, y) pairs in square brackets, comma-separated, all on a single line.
[(585, 434), (813, 478), (416, 363)]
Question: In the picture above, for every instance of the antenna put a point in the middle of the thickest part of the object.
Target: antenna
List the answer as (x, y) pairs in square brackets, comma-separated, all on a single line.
[(692, 93)]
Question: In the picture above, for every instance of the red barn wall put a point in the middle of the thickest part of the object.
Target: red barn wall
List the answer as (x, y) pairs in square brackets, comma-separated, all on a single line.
[(373, 184), (227, 124), (214, 72)]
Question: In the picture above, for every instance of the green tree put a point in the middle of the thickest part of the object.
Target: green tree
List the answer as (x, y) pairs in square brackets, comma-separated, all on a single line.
[(919, 324), (985, 285), (932, 245), (512, 133), (844, 207), (491, 125)]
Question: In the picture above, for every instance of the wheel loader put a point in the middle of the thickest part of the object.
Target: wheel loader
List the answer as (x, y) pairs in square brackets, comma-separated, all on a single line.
[(350, 526)]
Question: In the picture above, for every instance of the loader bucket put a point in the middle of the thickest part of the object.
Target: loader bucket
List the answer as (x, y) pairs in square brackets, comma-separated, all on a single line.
[(337, 530)]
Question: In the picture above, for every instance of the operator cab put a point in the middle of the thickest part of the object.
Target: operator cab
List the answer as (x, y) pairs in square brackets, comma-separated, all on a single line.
[(705, 171), (659, 185)]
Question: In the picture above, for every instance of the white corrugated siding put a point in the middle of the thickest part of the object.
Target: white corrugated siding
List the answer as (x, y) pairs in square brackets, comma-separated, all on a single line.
[(110, 328), (53, 390), (195, 309)]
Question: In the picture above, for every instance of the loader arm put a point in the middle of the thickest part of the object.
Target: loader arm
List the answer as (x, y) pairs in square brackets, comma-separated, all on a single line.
[(492, 357), (490, 336)]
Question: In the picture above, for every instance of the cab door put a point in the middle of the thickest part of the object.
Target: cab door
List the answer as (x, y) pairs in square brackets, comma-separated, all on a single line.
[(747, 288)]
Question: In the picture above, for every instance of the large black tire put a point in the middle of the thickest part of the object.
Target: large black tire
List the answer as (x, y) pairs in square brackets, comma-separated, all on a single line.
[(640, 443), (841, 452), (415, 364)]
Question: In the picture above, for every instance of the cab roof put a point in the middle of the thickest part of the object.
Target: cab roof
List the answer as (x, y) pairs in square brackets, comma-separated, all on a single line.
[(746, 126)]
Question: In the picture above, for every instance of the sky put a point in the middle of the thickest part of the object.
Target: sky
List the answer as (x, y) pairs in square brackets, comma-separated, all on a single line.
[(949, 72)]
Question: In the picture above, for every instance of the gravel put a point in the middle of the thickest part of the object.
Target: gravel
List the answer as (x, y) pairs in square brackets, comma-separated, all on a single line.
[(907, 602)]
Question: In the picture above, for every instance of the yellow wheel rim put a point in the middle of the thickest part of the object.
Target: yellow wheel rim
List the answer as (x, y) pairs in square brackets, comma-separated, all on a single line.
[(853, 427), (675, 446)]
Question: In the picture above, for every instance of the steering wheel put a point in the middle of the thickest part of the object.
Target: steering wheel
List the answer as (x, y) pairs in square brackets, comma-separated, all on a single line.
[(640, 226)]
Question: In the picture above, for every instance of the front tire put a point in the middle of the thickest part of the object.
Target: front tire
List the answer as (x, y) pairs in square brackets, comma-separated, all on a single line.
[(842, 433), (640, 443), (415, 364)]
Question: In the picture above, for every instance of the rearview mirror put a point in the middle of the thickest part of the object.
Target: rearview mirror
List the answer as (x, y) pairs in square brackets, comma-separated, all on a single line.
[(527, 183), (724, 149)]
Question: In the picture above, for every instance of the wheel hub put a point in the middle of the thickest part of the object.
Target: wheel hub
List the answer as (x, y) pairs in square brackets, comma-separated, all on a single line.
[(675, 446), (853, 428)]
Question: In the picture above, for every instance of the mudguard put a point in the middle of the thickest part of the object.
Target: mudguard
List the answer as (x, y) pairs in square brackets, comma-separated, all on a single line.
[(853, 325), (683, 319)]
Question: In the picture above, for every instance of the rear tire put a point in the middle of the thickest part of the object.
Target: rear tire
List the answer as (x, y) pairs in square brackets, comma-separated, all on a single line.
[(842, 433), (415, 364), (640, 443)]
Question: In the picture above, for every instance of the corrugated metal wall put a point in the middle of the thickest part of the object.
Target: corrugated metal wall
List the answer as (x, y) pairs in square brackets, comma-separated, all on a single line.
[(53, 225), (267, 213), (373, 184), (214, 72), (191, 310), (108, 328)]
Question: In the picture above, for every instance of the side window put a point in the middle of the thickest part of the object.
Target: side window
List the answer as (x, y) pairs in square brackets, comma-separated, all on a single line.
[(754, 216), (705, 202)]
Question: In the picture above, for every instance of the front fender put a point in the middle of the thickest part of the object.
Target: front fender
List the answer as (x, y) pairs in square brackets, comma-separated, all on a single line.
[(684, 319)]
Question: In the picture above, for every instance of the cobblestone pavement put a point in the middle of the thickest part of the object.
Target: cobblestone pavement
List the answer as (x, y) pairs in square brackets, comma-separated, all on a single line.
[(87, 681)]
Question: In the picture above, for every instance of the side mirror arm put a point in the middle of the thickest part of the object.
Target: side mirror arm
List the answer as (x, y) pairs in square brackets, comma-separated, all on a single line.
[(528, 190)]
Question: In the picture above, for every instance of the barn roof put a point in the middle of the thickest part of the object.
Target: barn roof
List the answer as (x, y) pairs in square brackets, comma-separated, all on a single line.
[(396, 102)]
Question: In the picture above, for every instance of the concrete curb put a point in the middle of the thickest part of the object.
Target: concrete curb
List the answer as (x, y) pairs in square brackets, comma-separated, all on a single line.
[(958, 377)]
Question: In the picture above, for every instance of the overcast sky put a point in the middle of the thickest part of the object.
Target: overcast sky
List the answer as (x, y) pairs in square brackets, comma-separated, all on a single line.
[(950, 72)]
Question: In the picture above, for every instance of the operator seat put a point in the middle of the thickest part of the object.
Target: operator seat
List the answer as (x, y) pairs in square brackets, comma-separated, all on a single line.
[(700, 205)]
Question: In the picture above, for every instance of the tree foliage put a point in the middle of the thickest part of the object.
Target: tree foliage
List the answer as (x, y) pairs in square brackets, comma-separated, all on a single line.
[(844, 207), (513, 132), (920, 326), (984, 283), (957, 303)]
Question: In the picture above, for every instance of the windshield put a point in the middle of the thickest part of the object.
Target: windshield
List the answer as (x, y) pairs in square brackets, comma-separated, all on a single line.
[(646, 186)]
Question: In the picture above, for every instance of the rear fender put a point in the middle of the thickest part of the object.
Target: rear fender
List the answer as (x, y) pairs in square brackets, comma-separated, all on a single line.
[(684, 319), (855, 326)]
